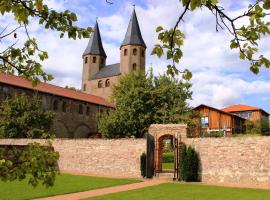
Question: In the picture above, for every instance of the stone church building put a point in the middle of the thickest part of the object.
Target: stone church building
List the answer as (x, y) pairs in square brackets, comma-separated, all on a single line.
[(97, 77), (76, 111)]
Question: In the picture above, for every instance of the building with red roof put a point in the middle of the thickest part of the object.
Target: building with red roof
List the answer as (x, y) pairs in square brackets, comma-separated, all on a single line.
[(76, 112)]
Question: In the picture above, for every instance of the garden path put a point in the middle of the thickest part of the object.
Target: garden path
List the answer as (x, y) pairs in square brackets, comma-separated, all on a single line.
[(104, 191)]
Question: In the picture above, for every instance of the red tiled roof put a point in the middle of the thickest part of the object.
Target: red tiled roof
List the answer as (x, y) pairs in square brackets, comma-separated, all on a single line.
[(52, 89), (236, 108)]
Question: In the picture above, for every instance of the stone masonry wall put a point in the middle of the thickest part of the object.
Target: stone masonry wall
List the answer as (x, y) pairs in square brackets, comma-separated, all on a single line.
[(234, 160), (118, 158)]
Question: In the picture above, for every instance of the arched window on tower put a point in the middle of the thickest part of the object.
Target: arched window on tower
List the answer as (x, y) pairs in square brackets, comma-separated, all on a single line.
[(134, 51), (85, 60), (143, 52), (102, 61), (107, 83), (100, 84), (94, 59), (134, 66), (125, 52), (55, 105)]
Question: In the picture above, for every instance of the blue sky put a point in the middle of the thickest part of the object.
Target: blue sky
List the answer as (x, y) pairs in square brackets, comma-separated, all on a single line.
[(220, 78)]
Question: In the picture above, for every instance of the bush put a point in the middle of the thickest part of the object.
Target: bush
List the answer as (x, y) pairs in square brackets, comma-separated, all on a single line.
[(189, 164), (168, 157), (214, 134), (143, 165)]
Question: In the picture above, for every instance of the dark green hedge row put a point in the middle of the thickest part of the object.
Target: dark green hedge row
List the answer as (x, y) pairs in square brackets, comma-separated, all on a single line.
[(168, 157), (189, 164)]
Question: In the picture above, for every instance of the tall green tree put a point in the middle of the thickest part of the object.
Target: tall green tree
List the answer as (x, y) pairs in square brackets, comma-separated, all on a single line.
[(141, 100), (24, 117), (246, 31)]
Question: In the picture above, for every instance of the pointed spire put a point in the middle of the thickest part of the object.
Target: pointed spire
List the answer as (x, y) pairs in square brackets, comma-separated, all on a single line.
[(95, 46), (133, 34)]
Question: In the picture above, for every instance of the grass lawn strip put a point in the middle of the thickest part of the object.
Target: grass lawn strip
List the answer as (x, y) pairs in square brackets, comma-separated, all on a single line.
[(65, 183), (175, 191)]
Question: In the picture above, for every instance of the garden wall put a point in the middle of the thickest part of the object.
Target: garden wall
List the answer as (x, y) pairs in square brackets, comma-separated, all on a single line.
[(119, 158), (234, 160)]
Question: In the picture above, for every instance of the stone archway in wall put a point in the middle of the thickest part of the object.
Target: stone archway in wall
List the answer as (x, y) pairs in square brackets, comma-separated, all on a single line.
[(155, 136), (82, 131)]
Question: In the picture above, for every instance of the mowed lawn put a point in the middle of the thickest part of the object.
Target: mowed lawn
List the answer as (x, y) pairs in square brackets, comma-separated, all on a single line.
[(175, 191), (65, 183)]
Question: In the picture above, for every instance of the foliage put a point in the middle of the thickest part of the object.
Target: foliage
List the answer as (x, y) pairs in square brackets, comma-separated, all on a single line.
[(168, 157), (36, 160), (23, 117), (141, 100), (143, 165), (265, 126), (64, 184), (245, 36), (189, 164), (24, 60), (214, 134), (252, 127)]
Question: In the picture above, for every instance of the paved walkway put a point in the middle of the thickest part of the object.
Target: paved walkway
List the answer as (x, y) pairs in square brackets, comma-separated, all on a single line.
[(104, 191)]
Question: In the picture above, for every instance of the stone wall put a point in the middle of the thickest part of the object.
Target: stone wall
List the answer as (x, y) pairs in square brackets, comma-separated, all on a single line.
[(234, 160), (118, 158)]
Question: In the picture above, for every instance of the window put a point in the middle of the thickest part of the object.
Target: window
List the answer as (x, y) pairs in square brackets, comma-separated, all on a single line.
[(64, 107), (134, 66), (87, 111), (125, 52), (55, 105), (246, 115), (101, 111), (102, 61), (80, 109), (100, 84), (134, 51), (107, 83), (94, 59), (143, 53), (85, 60), (84, 87), (204, 122)]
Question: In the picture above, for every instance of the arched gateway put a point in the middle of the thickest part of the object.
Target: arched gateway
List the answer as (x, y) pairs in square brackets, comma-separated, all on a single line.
[(177, 133)]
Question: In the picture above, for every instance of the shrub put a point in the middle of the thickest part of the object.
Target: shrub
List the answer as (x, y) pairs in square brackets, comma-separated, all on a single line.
[(168, 157), (143, 165), (189, 164), (214, 134)]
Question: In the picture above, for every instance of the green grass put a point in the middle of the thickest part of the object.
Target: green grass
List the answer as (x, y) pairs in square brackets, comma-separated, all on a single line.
[(167, 165), (65, 183), (174, 191)]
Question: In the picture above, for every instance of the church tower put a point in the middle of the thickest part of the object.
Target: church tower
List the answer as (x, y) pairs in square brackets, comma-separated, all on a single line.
[(94, 58), (132, 50)]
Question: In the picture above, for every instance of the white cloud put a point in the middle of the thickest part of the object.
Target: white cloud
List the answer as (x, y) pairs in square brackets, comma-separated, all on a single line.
[(206, 52)]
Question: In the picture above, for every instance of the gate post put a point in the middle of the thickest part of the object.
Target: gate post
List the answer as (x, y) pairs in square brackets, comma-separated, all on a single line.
[(150, 148)]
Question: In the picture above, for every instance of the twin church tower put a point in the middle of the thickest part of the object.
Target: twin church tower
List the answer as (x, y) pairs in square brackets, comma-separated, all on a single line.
[(97, 77)]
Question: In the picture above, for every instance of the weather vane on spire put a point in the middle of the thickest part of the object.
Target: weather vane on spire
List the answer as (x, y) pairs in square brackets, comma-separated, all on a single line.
[(134, 6)]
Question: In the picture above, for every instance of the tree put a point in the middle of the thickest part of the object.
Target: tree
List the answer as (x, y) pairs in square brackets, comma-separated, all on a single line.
[(23, 117), (22, 60), (141, 100), (245, 35)]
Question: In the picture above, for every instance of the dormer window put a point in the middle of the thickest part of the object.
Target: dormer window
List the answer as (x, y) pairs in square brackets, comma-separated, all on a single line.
[(85, 60), (134, 66), (134, 51), (100, 84), (94, 59), (125, 52)]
